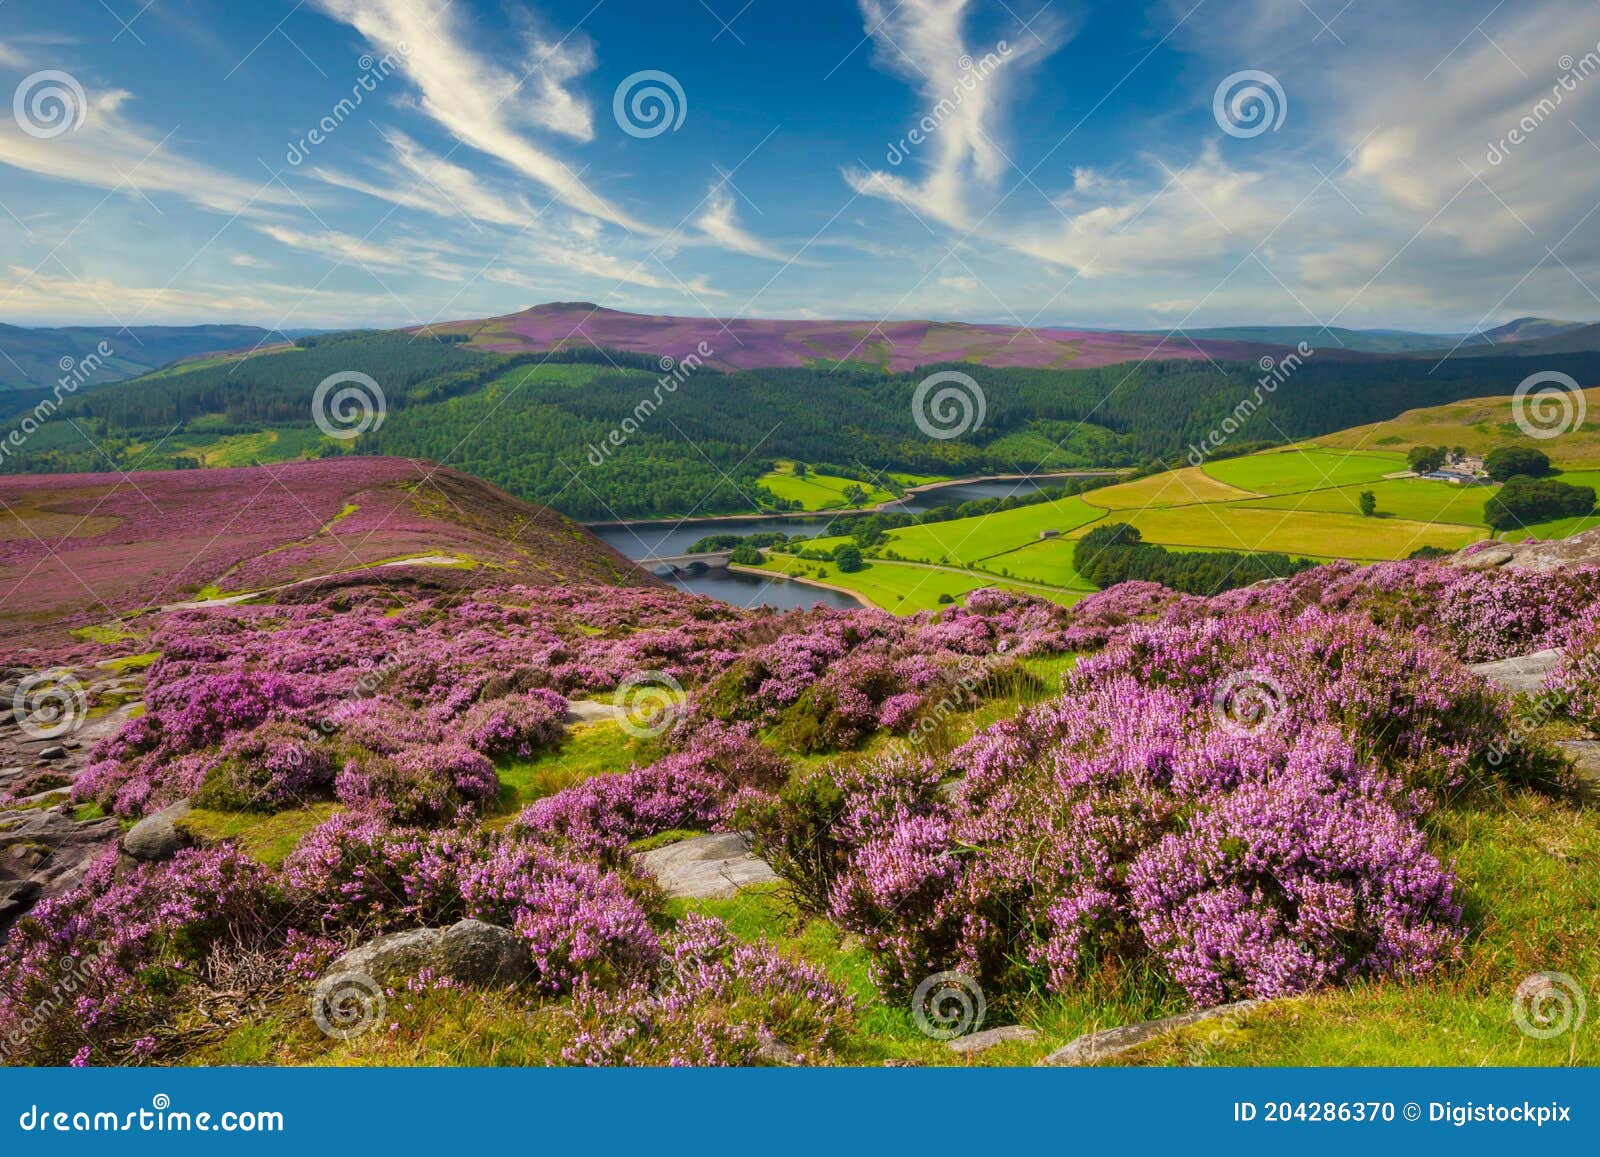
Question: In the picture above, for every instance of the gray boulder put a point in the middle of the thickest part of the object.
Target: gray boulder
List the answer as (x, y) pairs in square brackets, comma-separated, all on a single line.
[(1487, 558), (477, 953), (707, 867), (1520, 674), (978, 1042), (472, 952), (158, 837), (1110, 1043)]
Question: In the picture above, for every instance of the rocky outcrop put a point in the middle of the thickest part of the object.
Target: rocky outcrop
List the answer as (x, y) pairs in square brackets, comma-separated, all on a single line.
[(1108, 1044), (44, 853), (158, 837), (471, 952), (1574, 551), (1521, 674), (706, 867)]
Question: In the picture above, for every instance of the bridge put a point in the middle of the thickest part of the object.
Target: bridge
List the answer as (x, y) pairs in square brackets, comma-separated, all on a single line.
[(664, 565)]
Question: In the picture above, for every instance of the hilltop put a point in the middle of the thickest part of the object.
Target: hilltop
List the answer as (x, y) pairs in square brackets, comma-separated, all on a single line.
[(758, 343), (83, 552)]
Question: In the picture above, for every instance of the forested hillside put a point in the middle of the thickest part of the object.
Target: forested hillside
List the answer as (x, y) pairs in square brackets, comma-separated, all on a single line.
[(602, 434)]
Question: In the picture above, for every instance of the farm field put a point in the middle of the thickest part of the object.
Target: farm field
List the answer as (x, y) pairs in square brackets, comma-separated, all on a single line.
[(818, 491), (968, 540), (1303, 468), (902, 588), (1475, 424)]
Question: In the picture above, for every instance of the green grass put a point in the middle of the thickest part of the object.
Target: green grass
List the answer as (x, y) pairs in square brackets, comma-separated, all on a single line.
[(899, 588), (1416, 499), (267, 839), (590, 749), (964, 541), (1300, 468), (818, 491), (1229, 526)]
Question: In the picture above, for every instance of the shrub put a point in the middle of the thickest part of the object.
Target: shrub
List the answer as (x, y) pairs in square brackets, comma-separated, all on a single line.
[(275, 766)]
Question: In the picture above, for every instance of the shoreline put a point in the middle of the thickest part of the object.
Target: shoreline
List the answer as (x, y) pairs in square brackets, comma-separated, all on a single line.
[(789, 578), (828, 515)]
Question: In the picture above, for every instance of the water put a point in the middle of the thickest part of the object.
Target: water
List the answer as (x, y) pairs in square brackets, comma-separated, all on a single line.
[(747, 590), (664, 540)]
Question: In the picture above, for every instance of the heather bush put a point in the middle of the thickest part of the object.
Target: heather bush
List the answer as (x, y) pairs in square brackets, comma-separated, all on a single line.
[(712, 1000), (86, 974), (358, 871), (417, 785), (275, 766), (518, 725), (693, 788)]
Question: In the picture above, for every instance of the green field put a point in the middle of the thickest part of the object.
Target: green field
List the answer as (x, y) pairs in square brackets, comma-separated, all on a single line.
[(902, 588), (964, 541), (1412, 498), (1303, 468), (819, 491)]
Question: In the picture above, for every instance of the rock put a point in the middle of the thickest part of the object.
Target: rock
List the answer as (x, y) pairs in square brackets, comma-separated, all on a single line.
[(1521, 674), (1486, 558), (1574, 551), (1585, 756), (158, 837), (707, 867), (590, 711), (1110, 1043), (395, 957), (772, 1051), (53, 753), (43, 854), (477, 953), (472, 952), (978, 1042)]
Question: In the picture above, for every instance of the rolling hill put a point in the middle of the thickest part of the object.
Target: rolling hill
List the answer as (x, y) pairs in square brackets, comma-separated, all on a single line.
[(79, 551), (38, 358), (755, 343)]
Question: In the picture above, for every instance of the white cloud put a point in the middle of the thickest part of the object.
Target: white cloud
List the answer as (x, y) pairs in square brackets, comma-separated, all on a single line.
[(482, 104), (11, 57), (418, 256), (110, 151), (955, 140), (720, 223)]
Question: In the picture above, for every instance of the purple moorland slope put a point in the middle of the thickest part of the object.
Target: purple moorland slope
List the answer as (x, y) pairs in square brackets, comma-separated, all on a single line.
[(755, 343)]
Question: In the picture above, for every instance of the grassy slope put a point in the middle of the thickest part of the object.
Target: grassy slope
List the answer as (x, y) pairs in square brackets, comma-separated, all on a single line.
[(900, 587), (818, 491), (1479, 424)]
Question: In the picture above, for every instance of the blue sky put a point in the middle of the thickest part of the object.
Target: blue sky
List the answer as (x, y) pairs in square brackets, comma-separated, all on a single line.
[(1074, 165)]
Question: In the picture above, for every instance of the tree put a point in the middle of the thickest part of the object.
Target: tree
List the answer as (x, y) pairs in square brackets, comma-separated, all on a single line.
[(1369, 503), (746, 555), (800, 470), (848, 558), (1508, 461), (1523, 501), (1426, 459)]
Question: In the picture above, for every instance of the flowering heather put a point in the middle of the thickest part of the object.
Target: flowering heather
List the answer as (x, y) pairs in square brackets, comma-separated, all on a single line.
[(517, 724), (711, 1001), (694, 788), (82, 971)]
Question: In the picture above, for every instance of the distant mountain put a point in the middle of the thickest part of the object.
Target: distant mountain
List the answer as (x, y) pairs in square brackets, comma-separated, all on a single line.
[(754, 343), (38, 358), (1547, 338), (1375, 341)]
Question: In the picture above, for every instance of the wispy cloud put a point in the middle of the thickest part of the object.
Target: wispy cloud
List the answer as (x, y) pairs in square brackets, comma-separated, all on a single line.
[(484, 105), (720, 223)]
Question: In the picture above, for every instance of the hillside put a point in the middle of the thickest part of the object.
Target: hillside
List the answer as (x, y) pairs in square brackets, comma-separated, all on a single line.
[(754, 343), (38, 358), (87, 551)]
